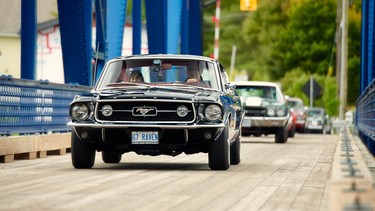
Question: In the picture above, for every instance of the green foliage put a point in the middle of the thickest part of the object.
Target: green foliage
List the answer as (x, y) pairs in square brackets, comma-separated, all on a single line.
[(294, 81), (331, 103), (287, 41), (308, 37)]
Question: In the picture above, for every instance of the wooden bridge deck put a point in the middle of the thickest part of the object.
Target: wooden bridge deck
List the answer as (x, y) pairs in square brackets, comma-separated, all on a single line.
[(303, 174)]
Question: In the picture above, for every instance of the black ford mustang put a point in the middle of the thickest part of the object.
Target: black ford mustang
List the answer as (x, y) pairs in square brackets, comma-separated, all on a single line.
[(158, 104)]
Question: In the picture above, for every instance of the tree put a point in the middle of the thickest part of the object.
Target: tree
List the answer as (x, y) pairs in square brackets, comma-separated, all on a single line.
[(283, 36), (308, 38), (261, 31)]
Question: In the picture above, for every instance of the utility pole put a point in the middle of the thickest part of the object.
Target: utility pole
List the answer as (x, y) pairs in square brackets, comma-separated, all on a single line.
[(217, 30), (232, 62), (338, 46), (344, 59)]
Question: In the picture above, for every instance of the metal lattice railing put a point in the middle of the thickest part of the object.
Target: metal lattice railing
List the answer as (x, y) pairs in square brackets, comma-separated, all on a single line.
[(28, 107), (365, 120)]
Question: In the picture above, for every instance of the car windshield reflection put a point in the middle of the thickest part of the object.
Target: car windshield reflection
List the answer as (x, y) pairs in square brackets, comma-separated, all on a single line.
[(156, 72)]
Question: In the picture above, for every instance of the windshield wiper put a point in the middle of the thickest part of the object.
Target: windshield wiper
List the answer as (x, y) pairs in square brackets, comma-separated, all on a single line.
[(130, 84), (186, 86), (111, 92)]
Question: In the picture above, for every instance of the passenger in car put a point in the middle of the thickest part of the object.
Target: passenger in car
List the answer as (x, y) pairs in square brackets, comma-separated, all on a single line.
[(136, 77), (194, 76)]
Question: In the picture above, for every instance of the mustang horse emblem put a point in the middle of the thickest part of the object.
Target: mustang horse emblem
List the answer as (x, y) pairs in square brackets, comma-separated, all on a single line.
[(144, 111)]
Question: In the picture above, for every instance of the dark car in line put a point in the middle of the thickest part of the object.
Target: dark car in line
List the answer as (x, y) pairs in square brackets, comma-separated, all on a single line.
[(158, 105)]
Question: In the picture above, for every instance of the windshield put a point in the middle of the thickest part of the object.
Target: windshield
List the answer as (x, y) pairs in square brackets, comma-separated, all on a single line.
[(295, 104), (158, 72), (314, 112), (266, 92)]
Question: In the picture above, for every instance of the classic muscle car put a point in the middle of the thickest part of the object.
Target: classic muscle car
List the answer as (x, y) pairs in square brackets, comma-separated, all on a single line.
[(265, 110), (318, 121), (158, 104)]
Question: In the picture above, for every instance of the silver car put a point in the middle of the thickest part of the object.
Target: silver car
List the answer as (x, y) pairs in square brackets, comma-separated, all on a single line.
[(316, 121), (265, 110)]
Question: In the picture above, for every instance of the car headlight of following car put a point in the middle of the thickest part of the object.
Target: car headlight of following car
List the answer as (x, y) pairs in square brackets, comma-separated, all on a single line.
[(80, 111), (213, 112), (271, 111), (278, 111)]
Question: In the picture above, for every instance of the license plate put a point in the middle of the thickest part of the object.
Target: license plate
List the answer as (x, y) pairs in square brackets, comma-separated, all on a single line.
[(246, 123), (145, 137)]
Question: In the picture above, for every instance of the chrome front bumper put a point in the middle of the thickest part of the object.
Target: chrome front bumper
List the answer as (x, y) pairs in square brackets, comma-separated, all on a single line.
[(145, 125), (264, 121)]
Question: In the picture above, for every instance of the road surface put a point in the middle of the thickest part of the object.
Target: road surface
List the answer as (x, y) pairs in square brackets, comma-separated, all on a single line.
[(291, 176)]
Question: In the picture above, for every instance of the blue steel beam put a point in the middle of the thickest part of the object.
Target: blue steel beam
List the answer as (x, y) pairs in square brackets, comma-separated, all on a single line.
[(174, 26), (191, 28), (116, 13), (195, 28), (28, 39), (364, 47), (155, 26), (101, 47), (137, 26), (110, 22), (365, 103), (75, 20), (370, 42), (185, 27), (172, 21)]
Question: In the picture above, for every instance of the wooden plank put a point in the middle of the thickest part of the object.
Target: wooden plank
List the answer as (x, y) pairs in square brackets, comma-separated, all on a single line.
[(6, 158), (31, 147), (27, 156), (42, 154)]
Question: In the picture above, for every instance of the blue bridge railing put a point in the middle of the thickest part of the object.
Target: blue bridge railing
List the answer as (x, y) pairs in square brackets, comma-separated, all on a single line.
[(366, 117), (29, 107)]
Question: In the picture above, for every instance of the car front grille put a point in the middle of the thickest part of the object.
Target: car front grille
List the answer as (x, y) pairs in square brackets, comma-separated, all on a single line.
[(158, 111), (255, 111)]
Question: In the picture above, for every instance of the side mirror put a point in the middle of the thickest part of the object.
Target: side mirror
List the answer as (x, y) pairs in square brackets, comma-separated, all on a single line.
[(230, 86)]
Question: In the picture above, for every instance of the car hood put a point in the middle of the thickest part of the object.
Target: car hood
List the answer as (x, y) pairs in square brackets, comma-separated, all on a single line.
[(157, 93), (259, 102)]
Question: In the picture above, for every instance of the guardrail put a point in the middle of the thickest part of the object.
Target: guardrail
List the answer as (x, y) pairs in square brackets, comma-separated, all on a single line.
[(365, 120), (351, 186), (29, 107)]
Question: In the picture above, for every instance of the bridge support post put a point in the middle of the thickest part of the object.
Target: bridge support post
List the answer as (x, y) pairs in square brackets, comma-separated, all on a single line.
[(28, 39)]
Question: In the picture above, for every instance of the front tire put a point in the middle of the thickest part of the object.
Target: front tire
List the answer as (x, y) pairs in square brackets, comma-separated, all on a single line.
[(218, 153), (292, 131), (235, 151), (111, 156), (83, 155), (281, 135)]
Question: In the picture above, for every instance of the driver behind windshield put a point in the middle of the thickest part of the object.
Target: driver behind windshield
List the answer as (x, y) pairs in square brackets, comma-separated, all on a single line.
[(136, 77)]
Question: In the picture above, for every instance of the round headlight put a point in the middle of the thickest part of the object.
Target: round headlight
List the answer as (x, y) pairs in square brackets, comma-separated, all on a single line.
[(280, 112), (107, 110), (182, 111), (80, 112), (270, 111), (212, 112)]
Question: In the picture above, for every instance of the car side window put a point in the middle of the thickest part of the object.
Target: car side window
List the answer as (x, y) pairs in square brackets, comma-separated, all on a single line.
[(223, 76)]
